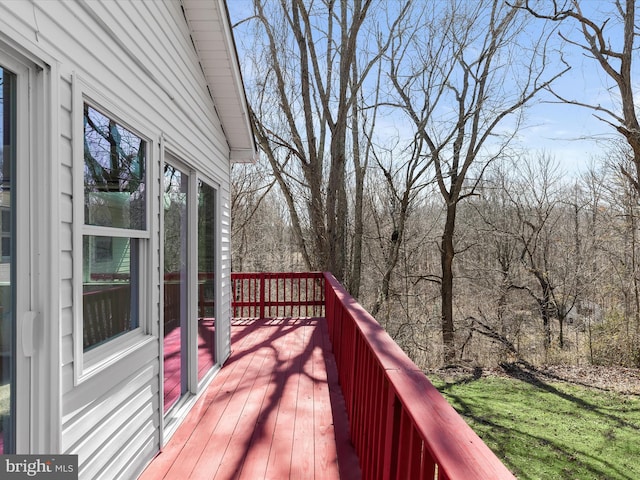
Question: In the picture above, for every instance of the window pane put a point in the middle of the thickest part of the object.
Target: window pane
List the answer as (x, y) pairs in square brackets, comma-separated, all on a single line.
[(114, 173), (110, 288), (7, 262), (175, 285), (206, 278)]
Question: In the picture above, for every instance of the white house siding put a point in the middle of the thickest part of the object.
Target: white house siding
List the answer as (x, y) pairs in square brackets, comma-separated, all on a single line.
[(139, 57)]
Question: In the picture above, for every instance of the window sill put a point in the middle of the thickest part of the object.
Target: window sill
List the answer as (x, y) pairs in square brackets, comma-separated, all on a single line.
[(100, 358)]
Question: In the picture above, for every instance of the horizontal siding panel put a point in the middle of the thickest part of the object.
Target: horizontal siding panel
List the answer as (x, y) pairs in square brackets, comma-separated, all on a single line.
[(22, 17), (65, 92), (66, 377), (66, 287), (66, 243), (66, 274), (66, 322), (94, 423), (65, 178), (66, 153), (174, 48), (66, 349), (147, 448), (106, 440), (129, 460), (173, 62), (66, 200), (120, 429), (64, 123)]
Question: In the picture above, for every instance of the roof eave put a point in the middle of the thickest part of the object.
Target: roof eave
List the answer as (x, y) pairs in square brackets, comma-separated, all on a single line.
[(210, 27)]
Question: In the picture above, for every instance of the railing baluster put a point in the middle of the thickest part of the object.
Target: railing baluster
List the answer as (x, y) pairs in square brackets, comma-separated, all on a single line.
[(306, 296), (356, 398), (261, 313), (391, 429), (404, 446), (367, 408), (379, 422)]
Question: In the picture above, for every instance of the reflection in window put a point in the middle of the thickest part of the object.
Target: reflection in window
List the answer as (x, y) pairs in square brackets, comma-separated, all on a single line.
[(7, 263), (114, 173), (114, 198), (103, 249), (206, 277), (5, 230), (110, 304), (175, 285)]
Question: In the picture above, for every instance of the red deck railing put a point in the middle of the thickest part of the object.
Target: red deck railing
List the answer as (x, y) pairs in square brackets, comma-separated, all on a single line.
[(400, 425), (284, 294)]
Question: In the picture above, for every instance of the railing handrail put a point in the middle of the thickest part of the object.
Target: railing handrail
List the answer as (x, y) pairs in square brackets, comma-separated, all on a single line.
[(402, 426)]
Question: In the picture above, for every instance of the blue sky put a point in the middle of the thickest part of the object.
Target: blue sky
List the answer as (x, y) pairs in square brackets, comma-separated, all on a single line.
[(569, 133), (572, 133)]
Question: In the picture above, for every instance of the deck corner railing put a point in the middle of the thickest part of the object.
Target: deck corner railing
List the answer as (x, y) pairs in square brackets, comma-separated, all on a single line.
[(277, 294), (400, 425)]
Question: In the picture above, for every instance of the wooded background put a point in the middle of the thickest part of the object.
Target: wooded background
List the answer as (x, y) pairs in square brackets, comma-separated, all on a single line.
[(390, 156)]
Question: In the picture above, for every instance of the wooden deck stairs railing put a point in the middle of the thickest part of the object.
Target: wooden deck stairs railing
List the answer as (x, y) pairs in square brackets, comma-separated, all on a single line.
[(400, 425)]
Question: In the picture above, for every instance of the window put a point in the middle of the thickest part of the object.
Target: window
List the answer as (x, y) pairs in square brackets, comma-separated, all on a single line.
[(207, 253), (176, 279), (191, 259), (8, 264), (115, 222)]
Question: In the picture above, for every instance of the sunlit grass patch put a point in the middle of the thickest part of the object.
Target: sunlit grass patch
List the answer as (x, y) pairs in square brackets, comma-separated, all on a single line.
[(552, 430)]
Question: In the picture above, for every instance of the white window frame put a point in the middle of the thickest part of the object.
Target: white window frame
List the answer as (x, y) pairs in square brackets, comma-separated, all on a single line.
[(90, 363), (180, 159), (25, 285), (38, 332), (216, 185)]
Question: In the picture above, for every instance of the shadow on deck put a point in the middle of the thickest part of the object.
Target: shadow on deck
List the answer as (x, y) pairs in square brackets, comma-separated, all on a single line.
[(275, 410), (279, 407)]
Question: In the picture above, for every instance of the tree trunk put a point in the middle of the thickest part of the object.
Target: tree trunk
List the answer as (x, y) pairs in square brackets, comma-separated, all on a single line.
[(358, 230), (337, 209), (360, 168), (545, 309), (447, 253)]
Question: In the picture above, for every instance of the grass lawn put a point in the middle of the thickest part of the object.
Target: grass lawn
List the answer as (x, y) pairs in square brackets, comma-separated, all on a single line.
[(550, 430)]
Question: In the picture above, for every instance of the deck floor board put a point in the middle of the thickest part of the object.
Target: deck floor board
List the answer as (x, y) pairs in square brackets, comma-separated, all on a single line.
[(269, 413)]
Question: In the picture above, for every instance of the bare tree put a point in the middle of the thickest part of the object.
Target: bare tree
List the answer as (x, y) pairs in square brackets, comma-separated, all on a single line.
[(623, 250), (404, 181), (250, 187), (450, 66), (493, 260), (537, 201), (612, 50), (310, 62)]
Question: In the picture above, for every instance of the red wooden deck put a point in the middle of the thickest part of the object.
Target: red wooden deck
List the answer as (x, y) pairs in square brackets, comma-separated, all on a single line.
[(274, 411)]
